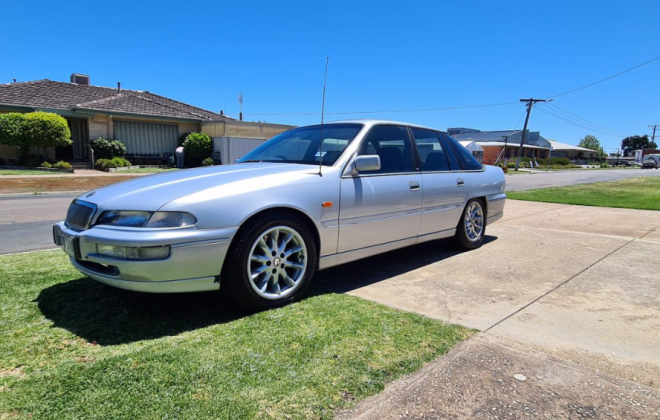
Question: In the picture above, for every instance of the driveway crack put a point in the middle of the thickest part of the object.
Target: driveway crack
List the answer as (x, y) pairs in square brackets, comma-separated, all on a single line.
[(559, 285)]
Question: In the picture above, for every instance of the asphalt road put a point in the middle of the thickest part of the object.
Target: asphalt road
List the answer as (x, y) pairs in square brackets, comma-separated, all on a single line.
[(26, 221), (528, 181)]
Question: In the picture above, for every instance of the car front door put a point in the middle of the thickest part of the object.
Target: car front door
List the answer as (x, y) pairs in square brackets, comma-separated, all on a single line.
[(443, 184), (382, 206)]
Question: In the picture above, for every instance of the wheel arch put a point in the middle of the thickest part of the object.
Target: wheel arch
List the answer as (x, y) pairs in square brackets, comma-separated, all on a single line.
[(282, 210)]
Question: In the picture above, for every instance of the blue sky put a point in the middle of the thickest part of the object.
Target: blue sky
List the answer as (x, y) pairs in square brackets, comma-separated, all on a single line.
[(383, 56)]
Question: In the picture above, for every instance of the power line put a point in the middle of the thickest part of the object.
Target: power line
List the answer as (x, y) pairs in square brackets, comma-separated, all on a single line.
[(577, 124), (563, 111), (386, 111), (607, 78)]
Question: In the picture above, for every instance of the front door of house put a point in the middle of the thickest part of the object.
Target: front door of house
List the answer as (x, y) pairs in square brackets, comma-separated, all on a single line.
[(76, 151)]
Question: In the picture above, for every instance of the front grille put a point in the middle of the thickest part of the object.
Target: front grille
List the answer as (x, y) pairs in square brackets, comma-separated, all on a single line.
[(80, 214)]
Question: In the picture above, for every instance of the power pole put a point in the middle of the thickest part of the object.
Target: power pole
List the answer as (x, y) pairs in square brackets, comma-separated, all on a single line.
[(653, 136), (530, 104)]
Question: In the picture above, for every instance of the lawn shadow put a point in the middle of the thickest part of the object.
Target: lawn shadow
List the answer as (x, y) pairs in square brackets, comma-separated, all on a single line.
[(109, 316), (351, 276)]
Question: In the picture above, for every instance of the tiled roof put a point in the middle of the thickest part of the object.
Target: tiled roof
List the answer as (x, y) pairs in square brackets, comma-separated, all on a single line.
[(70, 96)]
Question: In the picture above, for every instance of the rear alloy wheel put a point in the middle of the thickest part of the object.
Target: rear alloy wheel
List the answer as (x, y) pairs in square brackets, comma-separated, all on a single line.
[(271, 263), (472, 226)]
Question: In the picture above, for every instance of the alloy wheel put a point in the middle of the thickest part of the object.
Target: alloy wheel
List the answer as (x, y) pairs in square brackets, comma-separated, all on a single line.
[(277, 263), (474, 221)]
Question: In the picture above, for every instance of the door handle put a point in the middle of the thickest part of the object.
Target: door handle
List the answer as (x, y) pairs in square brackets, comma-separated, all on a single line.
[(460, 182), (414, 186)]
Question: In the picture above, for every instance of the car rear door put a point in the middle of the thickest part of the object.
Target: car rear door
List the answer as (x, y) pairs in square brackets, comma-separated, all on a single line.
[(382, 206), (442, 183)]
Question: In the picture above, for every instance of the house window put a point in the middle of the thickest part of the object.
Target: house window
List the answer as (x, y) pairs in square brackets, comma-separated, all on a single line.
[(542, 154)]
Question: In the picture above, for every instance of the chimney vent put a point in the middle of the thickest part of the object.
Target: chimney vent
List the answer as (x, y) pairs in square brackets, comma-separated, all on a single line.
[(80, 79), (118, 86)]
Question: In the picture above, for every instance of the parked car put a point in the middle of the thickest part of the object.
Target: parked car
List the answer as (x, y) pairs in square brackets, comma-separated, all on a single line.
[(651, 162), (262, 227)]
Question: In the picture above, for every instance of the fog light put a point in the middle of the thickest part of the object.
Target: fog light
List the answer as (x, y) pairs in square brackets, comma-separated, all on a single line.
[(133, 253)]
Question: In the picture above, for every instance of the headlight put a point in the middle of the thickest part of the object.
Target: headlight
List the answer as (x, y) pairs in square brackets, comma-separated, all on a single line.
[(159, 219), (124, 218), (169, 219)]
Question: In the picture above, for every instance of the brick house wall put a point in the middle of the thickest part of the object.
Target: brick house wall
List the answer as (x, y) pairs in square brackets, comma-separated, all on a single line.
[(491, 153)]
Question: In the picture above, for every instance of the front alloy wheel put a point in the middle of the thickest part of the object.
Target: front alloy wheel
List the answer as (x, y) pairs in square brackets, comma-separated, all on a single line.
[(277, 262), (270, 263)]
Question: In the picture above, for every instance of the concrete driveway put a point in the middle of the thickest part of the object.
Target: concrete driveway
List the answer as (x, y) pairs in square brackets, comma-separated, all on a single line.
[(572, 289)]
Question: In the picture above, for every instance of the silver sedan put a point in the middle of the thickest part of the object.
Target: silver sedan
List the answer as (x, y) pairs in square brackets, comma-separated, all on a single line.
[(262, 227)]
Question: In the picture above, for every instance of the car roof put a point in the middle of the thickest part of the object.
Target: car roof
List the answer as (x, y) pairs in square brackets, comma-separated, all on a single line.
[(371, 122)]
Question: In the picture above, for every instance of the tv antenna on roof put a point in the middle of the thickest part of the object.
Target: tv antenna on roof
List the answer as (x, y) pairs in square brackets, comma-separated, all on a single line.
[(325, 79), (240, 101)]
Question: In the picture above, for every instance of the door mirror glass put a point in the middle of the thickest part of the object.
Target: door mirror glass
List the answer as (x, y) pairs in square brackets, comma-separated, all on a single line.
[(367, 163)]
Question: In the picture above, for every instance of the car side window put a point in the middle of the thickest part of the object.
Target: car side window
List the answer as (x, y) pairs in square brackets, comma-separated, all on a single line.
[(392, 145), (431, 154), (451, 156), (465, 158)]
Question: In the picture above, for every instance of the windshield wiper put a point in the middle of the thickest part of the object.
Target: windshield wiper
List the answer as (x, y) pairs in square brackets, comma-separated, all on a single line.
[(251, 161)]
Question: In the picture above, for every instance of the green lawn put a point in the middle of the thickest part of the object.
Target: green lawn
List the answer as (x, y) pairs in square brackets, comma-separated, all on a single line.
[(634, 193), (145, 171), (72, 348), (27, 172)]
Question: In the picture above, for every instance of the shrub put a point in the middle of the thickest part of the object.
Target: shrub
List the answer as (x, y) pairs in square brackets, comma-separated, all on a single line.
[(208, 162), (100, 164), (119, 162), (46, 165), (604, 165), (2, 161), (108, 149), (196, 148), (182, 139), (62, 165), (34, 129)]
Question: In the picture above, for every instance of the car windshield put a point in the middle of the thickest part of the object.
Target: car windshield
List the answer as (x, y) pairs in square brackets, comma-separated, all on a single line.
[(301, 145)]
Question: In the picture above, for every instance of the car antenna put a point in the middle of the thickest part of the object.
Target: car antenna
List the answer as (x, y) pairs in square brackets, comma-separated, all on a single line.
[(325, 79)]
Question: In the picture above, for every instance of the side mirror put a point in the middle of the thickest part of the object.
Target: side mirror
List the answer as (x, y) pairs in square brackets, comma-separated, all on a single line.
[(366, 163)]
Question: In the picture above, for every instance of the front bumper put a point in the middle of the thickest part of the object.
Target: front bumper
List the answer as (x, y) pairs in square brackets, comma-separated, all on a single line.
[(193, 265)]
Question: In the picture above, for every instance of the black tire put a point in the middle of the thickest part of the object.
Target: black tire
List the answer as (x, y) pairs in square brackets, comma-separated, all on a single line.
[(235, 279), (461, 237)]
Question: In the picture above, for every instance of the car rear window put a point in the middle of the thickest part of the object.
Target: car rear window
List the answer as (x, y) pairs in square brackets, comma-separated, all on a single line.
[(464, 156)]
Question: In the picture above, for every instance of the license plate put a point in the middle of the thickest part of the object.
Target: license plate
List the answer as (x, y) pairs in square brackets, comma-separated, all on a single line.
[(68, 244)]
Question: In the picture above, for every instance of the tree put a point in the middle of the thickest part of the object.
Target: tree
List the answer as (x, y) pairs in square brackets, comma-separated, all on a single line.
[(35, 129), (590, 142), (632, 143)]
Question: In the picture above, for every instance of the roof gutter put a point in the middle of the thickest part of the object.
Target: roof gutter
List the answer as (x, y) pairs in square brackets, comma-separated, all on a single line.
[(91, 111)]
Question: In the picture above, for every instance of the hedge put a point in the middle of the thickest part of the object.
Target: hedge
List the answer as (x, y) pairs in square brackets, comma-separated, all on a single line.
[(196, 148), (107, 149), (34, 129)]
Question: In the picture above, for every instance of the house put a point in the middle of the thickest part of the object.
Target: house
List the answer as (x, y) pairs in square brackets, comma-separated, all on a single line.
[(571, 152), (494, 143), (148, 124)]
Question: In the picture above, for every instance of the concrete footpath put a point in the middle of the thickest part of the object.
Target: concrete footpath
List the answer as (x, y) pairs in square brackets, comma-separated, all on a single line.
[(567, 296)]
